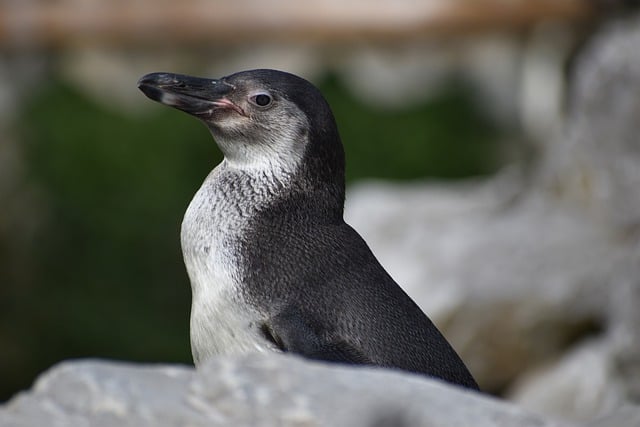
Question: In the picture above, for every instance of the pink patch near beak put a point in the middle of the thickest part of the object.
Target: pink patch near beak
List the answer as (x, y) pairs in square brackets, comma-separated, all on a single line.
[(225, 103)]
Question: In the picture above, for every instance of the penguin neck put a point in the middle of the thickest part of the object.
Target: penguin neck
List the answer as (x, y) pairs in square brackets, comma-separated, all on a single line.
[(289, 194)]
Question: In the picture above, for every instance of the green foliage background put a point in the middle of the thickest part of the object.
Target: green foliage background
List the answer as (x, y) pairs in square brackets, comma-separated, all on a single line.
[(107, 278)]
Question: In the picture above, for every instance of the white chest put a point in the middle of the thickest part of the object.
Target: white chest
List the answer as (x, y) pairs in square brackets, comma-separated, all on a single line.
[(221, 321)]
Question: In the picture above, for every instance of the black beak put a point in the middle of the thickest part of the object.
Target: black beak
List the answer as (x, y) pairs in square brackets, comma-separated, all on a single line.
[(193, 95)]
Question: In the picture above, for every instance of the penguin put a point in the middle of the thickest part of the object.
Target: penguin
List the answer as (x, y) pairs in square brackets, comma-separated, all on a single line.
[(272, 264)]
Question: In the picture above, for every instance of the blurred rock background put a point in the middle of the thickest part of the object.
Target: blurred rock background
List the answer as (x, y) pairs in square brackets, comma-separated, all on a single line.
[(493, 163)]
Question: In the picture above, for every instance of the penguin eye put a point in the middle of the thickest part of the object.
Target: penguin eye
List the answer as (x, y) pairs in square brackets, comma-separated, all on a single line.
[(261, 99)]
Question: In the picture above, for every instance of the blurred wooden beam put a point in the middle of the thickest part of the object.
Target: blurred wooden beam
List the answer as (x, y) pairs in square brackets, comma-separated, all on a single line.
[(61, 23)]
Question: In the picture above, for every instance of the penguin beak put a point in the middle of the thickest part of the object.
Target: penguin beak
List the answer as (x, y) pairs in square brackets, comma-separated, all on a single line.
[(197, 96)]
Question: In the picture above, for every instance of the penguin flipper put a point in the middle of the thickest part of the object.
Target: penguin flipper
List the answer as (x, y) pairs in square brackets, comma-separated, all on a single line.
[(293, 332)]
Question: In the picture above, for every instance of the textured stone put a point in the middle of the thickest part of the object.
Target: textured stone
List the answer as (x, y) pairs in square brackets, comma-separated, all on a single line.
[(260, 390), (595, 163), (627, 416), (581, 386), (512, 282), (523, 270)]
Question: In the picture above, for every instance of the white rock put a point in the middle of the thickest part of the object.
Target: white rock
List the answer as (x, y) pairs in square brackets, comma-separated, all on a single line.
[(581, 386), (510, 282), (627, 416), (596, 163), (517, 271), (259, 390)]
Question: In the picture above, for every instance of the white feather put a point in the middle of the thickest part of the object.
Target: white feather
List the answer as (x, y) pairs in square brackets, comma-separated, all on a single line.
[(247, 180)]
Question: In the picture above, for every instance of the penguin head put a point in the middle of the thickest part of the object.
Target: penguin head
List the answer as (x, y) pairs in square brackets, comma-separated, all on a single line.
[(260, 119)]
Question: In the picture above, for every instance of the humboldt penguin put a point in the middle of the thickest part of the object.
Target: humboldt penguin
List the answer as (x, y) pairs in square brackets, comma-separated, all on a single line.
[(272, 263)]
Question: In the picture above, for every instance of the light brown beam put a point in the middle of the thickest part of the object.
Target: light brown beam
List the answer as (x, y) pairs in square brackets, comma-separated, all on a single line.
[(25, 24)]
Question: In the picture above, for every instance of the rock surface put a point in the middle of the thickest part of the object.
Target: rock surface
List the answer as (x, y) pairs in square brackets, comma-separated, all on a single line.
[(582, 385), (525, 271), (260, 390), (511, 284)]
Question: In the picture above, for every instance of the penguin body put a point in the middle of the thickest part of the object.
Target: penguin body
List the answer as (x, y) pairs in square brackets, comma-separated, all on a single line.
[(272, 264)]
